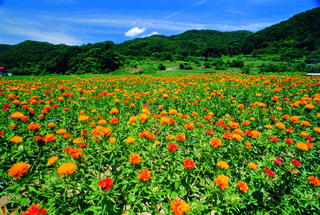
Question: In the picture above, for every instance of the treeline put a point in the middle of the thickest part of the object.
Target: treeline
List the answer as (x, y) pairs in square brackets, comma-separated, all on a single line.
[(41, 58), (295, 39)]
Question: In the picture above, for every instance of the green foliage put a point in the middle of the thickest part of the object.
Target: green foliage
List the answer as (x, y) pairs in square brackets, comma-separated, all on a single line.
[(161, 66), (40, 58)]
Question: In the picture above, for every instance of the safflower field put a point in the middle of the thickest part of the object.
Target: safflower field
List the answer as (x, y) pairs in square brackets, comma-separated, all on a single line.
[(224, 142)]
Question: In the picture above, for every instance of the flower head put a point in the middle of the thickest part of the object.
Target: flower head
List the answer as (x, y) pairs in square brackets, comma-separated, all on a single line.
[(52, 160), (252, 165), (16, 139), (188, 164), (269, 172), (223, 165), (172, 147), (67, 169), (222, 181), (135, 159), (243, 186), (106, 183), (179, 207), (18, 169), (35, 210), (144, 175)]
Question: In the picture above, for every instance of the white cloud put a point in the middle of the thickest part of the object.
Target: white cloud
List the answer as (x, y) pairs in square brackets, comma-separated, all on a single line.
[(134, 32), (149, 35)]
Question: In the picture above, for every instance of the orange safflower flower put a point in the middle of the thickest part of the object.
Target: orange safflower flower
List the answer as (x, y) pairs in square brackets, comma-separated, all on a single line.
[(49, 137), (52, 160), (222, 181), (305, 123), (241, 106), (66, 169), (269, 126), (144, 175), (288, 140), (77, 140), (179, 207), (51, 124), (135, 159), (188, 164), (309, 106), (18, 169), (132, 119), (16, 139), (314, 180), (238, 131), (317, 129), (245, 122), (130, 140), (61, 131), (216, 142), (16, 115), (35, 210), (252, 166), (143, 117), (164, 120), (285, 116), (32, 126), (280, 125), (112, 139), (294, 119), (223, 165), (83, 118), (247, 145), (76, 153), (227, 136), (25, 119), (114, 111), (302, 146), (243, 186), (114, 121), (303, 133), (102, 122), (189, 126), (181, 137), (236, 136)]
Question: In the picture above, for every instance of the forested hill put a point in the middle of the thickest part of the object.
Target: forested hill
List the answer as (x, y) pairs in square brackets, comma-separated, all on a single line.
[(5, 47), (296, 36), (192, 42)]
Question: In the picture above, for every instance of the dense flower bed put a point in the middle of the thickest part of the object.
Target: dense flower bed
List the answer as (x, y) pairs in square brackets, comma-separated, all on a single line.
[(192, 144)]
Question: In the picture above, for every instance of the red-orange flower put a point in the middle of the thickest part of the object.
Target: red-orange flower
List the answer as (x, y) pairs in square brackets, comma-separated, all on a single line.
[(35, 210), (172, 147), (144, 175), (49, 137), (243, 186), (76, 153), (216, 142), (106, 183), (135, 159), (222, 181), (314, 180), (188, 164), (179, 207), (181, 137), (18, 169)]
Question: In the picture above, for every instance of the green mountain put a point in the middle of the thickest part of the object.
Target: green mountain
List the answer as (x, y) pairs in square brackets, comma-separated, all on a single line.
[(192, 42), (294, 37), (5, 47)]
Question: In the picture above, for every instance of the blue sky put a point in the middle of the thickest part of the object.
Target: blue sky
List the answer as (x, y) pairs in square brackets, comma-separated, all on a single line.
[(76, 22)]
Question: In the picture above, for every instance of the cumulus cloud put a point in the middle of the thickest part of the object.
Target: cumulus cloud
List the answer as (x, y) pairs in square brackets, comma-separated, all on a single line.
[(134, 32), (149, 35)]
